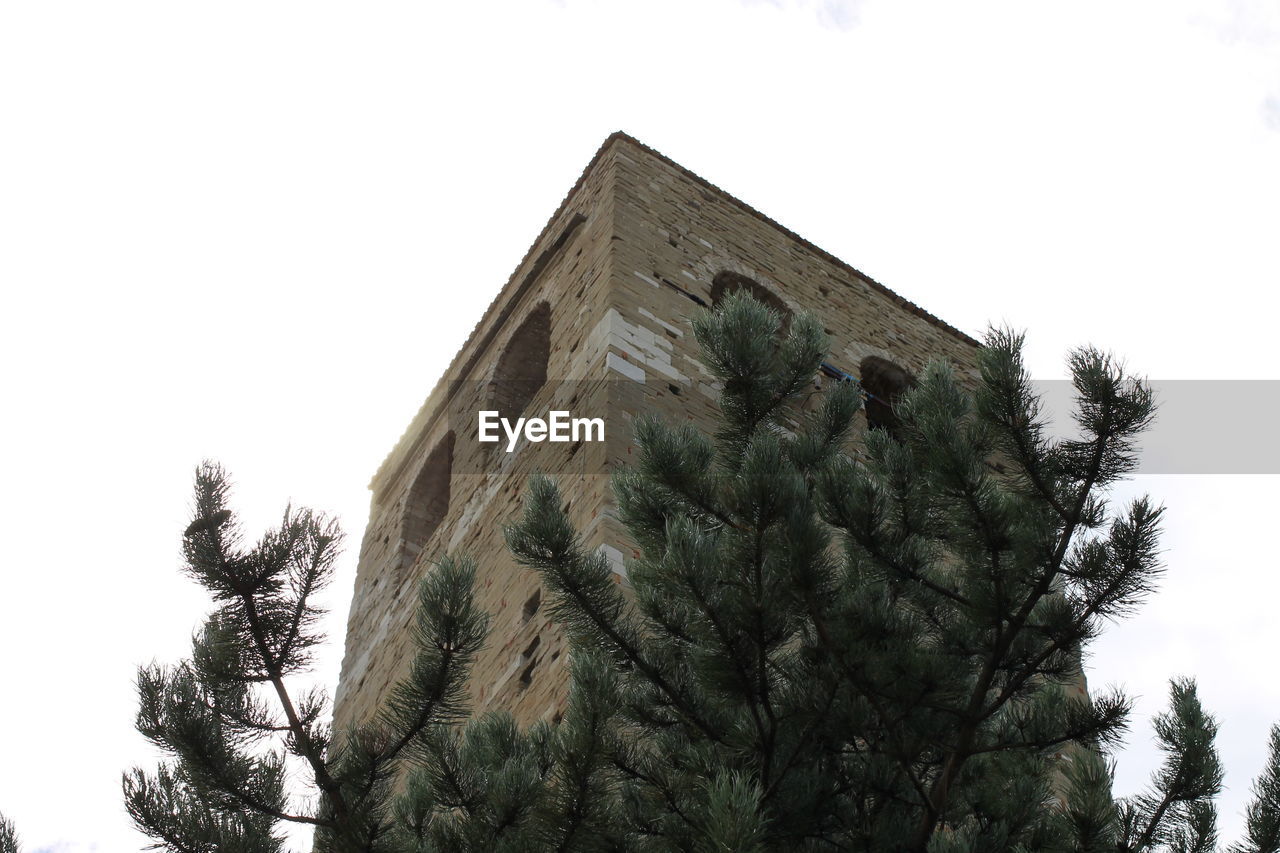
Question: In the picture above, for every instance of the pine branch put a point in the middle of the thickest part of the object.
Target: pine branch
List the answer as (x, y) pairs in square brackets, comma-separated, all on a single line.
[(165, 807), (858, 683), (301, 733), (1106, 427), (1188, 781), (1262, 816), (543, 540), (8, 836), (449, 631)]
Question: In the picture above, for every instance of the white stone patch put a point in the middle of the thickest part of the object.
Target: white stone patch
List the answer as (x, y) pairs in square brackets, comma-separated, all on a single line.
[(645, 278), (643, 347), (373, 641), (479, 499), (496, 687), (644, 312), (661, 362), (621, 365), (624, 345), (604, 335), (614, 557), (705, 243)]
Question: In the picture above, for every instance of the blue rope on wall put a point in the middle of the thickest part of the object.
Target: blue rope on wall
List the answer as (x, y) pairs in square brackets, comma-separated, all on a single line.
[(840, 376)]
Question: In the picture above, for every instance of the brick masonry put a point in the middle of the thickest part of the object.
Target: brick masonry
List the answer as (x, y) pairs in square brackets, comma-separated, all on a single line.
[(600, 309)]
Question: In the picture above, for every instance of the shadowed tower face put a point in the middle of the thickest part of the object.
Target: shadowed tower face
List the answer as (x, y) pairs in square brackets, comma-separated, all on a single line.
[(594, 322)]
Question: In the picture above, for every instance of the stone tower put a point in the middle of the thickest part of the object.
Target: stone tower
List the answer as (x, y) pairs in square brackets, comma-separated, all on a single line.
[(594, 321)]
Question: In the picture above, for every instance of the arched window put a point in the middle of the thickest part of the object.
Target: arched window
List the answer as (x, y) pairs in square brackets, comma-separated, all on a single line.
[(522, 368), (885, 382), (731, 282), (427, 503)]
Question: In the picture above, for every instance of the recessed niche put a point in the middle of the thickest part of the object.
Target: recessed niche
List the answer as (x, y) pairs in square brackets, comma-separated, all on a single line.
[(884, 382), (427, 503)]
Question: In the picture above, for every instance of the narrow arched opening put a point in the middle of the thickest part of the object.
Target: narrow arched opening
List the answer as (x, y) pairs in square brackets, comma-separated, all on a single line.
[(427, 503), (884, 382), (522, 368), (727, 282)]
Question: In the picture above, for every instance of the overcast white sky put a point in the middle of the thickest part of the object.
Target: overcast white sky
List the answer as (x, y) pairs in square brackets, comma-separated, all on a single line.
[(258, 232)]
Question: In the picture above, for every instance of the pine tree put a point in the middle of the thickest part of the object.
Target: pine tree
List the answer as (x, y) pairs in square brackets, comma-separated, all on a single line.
[(1262, 828), (831, 649), (231, 716), (877, 652), (8, 836), (825, 644)]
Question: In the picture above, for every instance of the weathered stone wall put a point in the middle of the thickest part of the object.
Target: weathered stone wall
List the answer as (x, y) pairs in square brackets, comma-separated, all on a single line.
[(567, 270), (609, 288)]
